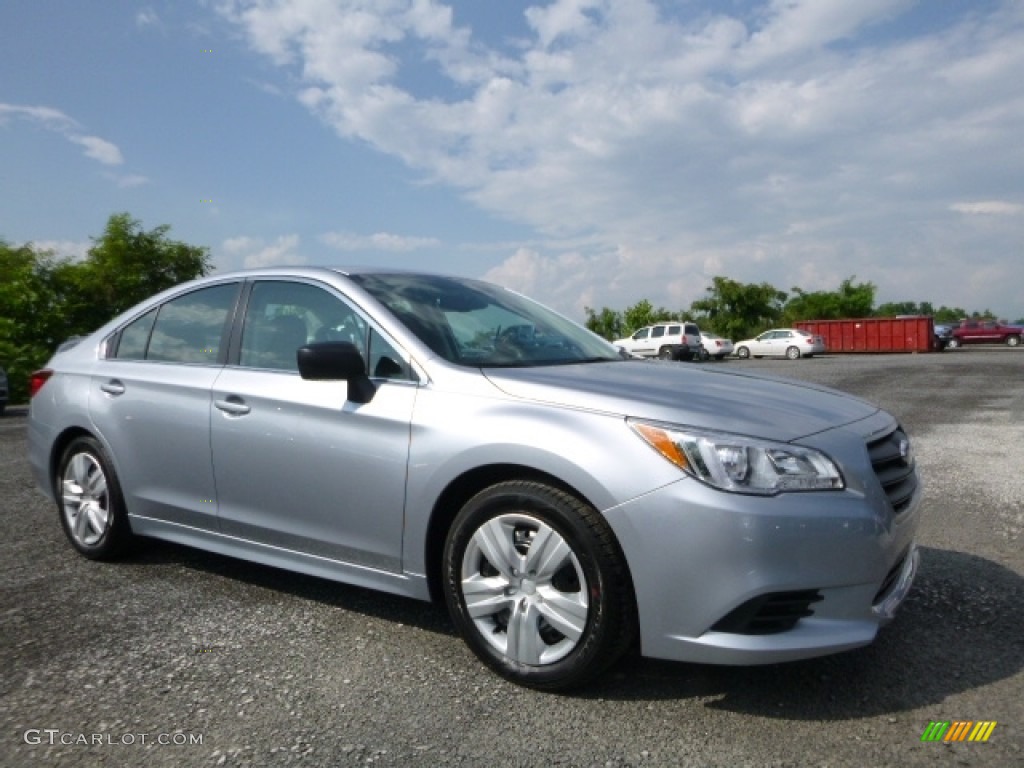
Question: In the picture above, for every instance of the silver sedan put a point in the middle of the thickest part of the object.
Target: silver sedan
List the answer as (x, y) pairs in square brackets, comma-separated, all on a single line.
[(441, 437), (792, 343)]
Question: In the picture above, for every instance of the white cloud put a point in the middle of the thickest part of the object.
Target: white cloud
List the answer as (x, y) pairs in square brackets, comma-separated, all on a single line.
[(989, 208), (379, 241), (147, 17), (780, 141), (251, 252), (55, 120), (99, 149)]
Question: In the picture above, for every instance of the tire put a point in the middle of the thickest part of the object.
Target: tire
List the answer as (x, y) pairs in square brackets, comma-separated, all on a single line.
[(557, 630), (953, 343), (793, 353), (1012, 341), (742, 353), (89, 501), (665, 353), (704, 355)]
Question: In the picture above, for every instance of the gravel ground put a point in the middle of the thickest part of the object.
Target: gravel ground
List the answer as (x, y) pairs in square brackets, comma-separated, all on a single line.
[(240, 665)]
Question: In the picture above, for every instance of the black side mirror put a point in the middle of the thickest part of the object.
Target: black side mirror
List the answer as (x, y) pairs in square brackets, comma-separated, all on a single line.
[(337, 361)]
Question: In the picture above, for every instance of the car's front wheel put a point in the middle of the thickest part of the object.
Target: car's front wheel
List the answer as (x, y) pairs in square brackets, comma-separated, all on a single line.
[(537, 585), (953, 343), (89, 501), (742, 353)]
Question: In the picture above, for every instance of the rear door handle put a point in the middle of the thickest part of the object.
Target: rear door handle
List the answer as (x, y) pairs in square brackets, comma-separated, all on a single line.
[(232, 405), (113, 387)]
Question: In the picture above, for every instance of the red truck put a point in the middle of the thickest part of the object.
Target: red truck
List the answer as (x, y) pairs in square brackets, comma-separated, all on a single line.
[(985, 332)]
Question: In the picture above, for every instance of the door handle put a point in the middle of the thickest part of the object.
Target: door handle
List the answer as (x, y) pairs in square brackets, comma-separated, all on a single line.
[(113, 387), (232, 405)]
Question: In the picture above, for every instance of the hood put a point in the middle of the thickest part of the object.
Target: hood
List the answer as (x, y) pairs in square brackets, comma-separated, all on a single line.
[(696, 396)]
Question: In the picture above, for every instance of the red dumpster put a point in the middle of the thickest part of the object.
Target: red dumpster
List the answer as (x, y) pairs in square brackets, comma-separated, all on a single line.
[(874, 334)]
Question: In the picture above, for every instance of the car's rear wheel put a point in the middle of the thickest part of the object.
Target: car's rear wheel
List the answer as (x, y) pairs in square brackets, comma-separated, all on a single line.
[(1012, 341), (665, 353), (92, 511), (953, 343), (793, 353), (743, 353), (537, 585)]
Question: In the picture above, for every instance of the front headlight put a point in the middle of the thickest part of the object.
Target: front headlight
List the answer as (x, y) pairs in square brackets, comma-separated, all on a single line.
[(741, 464)]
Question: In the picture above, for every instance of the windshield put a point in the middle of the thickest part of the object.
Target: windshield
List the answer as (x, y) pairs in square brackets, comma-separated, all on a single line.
[(477, 324)]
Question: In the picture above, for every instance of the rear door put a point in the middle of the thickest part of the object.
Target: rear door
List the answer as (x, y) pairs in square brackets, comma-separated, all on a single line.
[(150, 402), (297, 465)]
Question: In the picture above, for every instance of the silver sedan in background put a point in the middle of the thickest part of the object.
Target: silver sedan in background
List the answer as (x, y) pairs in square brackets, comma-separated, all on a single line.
[(442, 437), (792, 343), (716, 346)]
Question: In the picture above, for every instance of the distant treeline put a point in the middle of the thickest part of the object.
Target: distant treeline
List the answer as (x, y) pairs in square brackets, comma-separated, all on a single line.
[(741, 310)]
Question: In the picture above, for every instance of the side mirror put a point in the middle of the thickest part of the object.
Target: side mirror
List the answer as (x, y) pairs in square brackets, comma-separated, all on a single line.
[(337, 361)]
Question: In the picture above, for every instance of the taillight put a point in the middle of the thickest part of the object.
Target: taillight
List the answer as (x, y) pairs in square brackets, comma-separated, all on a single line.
[(37, 379)]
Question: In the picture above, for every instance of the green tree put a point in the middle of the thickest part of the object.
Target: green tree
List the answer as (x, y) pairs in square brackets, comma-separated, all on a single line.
[(851, 300), (31, 318), (896, 308), (606, 323), (946, 314), (44, 300), (125, 265), (644, 313), (738, 310)]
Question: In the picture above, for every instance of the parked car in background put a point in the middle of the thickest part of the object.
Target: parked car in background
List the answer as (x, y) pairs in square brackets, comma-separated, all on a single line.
[(985, 332), (669, 341), (4, 393), (442, 437), (715, 346), (943, 334), (781, 342)]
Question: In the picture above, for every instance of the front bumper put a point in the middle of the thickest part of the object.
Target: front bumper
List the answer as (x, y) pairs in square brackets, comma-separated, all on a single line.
[(699, 556)]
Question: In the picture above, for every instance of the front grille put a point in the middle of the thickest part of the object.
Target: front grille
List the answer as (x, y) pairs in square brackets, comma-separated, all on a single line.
[(768, 614), (893, 462)]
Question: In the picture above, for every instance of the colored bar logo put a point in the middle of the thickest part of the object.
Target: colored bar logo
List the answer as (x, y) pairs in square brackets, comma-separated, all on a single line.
[(958, 730)]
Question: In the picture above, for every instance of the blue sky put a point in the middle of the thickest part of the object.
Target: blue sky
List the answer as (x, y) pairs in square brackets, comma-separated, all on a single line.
[(586, 152)]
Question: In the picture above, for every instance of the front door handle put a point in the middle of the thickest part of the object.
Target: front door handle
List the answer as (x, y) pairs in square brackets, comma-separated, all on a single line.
[(232, 405), (113, 387)]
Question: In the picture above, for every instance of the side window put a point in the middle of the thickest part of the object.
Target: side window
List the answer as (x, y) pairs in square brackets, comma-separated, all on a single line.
[(658, 331), (282, 316), (674, 330), (642, 333), (189, 329), (135, 337)]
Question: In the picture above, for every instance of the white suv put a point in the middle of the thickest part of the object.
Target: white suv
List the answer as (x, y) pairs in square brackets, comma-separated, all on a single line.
[(676, 340)]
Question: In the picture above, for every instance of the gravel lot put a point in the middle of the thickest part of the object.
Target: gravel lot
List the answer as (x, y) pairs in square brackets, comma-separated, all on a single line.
[(266, 668)]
